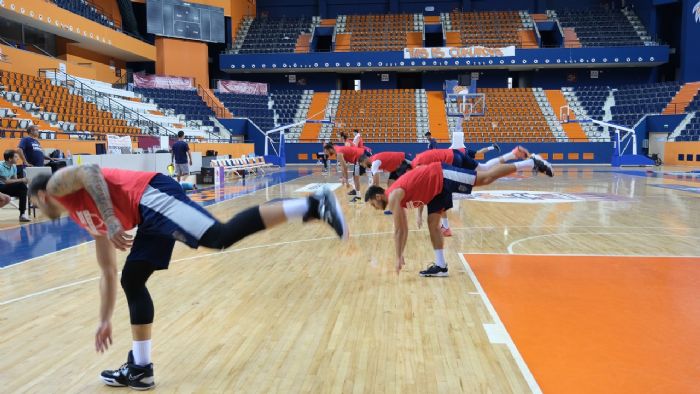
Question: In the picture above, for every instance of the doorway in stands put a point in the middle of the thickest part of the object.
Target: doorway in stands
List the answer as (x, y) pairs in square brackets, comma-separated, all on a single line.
[(409, 81), (349, 82)]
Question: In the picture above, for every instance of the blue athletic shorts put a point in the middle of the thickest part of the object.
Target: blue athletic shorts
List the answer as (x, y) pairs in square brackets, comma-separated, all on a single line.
[(455, 180), (461, 160), (167, 215)]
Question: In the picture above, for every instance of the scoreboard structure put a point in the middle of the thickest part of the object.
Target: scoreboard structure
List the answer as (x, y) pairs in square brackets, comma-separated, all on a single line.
[(174, 18)]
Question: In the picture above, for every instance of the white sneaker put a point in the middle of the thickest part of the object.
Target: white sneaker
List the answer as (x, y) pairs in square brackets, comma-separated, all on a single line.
[(23, 218)]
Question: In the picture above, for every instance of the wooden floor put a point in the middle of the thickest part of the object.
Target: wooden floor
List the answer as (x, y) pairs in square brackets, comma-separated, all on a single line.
[(294, 310)]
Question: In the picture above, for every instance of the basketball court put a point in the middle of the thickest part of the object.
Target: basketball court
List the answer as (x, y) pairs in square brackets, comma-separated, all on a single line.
[(585, 282)]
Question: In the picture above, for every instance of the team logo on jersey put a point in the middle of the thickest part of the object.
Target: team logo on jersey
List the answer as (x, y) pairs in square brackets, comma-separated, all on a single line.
[(535, 197), (696, 11), (92, 223)]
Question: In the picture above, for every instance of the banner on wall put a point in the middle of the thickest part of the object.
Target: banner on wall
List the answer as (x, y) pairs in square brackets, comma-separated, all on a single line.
[(457, 53), (142, 80), (240, 87), (118, 144)]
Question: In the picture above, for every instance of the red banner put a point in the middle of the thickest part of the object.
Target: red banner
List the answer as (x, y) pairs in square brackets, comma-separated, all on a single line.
[(240, 87), (142, 80)]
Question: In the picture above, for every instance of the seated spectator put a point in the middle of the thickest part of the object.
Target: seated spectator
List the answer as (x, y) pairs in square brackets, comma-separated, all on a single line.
[(30, 149), (11, 185)]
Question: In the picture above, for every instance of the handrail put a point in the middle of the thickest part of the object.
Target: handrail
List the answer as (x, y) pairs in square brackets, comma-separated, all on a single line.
[(219, 110), (104, 102)]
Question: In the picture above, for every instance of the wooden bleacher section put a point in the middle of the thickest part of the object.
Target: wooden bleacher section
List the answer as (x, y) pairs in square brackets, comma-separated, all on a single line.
[(493, 29), (385, 115), (510, 115), (69, 107)]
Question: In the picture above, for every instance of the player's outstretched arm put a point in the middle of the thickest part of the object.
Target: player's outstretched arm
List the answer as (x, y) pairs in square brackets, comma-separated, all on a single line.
[(400, 226), (343, 168), (106, 258)]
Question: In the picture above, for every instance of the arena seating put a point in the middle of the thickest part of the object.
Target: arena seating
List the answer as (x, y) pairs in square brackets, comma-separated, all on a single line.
[(70, 108), (691, 131), (489, 29), (592, 99), (600, 27), (510, 115), (388, 32), (386, 115), (90, 10), (254, 107), (274, 35), (632, 102), (185, 102)]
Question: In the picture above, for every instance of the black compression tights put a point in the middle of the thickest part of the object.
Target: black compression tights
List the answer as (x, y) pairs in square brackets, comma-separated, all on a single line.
[(134, 277), (219, 236)]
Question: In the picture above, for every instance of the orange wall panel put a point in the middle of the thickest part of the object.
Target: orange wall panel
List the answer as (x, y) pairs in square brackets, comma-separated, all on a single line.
[(56, 20), (235, 150), (105, 66), (24, 62), (183, 58), (64, 145), (673, 149)]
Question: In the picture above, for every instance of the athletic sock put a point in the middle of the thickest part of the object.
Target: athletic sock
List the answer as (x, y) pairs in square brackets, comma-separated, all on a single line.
[(141, 351), (444, 223), (440, 258), (488, 148), (524, 165), (508, 157), (295, 208)]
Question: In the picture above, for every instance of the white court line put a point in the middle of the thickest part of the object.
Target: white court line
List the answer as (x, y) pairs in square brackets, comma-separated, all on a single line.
[(87, 242), (512, 244), (503, 336), (197, 256), (48, 290)]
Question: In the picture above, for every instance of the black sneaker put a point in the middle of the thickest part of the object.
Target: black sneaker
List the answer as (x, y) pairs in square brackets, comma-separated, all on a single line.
[(434, 270), (352, 192), (356, 199), (541, 165), (324, 206), (496, 147), (129, 374)]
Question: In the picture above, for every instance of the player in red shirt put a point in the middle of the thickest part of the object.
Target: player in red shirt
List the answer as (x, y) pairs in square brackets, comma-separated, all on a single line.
[(394, 163), (345, 155), (109, 202), (433, 185), (462, 158)]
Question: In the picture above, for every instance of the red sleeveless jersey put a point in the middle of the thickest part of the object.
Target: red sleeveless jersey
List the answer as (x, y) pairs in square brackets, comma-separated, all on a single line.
[(434, 156), (391, 161), (125, 190), (350, 153), (420, 186)]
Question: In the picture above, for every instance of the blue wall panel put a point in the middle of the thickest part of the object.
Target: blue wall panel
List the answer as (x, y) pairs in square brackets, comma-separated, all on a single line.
[(602, 150), (576, 57)]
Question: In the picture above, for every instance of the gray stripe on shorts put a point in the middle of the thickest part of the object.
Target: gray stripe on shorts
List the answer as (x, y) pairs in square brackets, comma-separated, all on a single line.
[(188, 218)]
